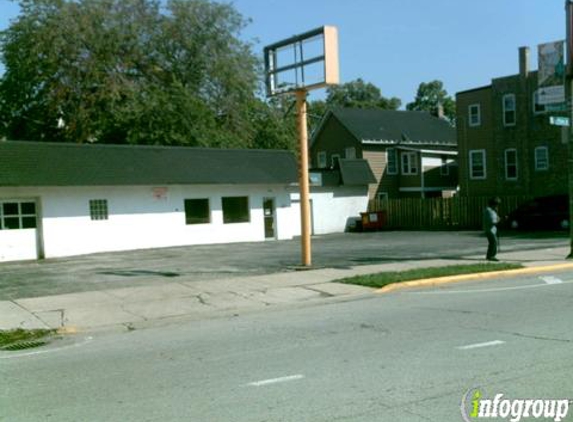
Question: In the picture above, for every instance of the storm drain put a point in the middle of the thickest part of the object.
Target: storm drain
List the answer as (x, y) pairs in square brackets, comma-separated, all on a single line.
[(22, 345)]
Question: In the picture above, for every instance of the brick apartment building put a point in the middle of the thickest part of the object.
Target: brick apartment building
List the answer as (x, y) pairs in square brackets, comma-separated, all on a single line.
[(505, 141)]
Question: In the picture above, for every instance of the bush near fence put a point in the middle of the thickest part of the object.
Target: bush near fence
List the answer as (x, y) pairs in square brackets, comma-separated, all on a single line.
[(457, 213)]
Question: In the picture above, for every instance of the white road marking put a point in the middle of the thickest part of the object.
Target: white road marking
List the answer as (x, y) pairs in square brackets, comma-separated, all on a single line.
[(9, 355), (276, 380), (551, 280), (479, 345)]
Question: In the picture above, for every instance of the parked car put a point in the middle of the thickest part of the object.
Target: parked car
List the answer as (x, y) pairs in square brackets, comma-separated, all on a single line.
[(548, 212)]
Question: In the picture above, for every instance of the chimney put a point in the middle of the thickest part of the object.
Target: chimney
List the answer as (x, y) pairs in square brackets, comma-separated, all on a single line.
[(438, 111), (524, 62)]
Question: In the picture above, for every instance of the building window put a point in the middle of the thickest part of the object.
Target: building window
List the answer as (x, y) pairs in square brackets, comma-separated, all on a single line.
[(541, 159), (350, 153), (236, 209), (474, 115), (508, 103), (98, 209), (334, 160), (392, 161), (477, 164), (511, 164), (17, 215), (445, 168), (321, 159), (197, 211), (409, 163)]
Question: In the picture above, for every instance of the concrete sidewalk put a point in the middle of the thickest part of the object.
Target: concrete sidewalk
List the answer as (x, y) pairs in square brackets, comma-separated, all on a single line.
[(134, 307)]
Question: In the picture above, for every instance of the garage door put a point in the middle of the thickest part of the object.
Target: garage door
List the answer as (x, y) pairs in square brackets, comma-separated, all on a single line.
[(18, 230)]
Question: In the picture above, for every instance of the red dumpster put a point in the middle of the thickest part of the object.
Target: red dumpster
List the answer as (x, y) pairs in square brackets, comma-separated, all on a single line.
[(374, 220)]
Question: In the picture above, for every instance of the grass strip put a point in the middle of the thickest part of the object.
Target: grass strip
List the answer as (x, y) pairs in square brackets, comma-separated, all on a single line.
[(385, 278), (10, 338)]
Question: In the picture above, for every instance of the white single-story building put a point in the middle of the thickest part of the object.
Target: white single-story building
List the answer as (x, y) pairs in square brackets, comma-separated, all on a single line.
[(59, 199)]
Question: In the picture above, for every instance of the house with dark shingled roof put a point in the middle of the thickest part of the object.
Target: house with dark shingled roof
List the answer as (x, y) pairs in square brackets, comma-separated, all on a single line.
[(411, 154)]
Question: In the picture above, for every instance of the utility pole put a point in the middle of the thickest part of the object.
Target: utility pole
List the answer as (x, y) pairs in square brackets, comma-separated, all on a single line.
[(301, 112)]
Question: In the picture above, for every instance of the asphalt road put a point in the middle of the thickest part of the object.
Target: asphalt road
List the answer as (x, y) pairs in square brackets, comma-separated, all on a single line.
[(407, 356), (145, 267)]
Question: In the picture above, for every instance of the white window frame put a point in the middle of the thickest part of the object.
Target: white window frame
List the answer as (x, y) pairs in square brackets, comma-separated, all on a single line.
[(471, 163), (321, 159), (350, 153), (392, 161), (537, 160), (508, 164), (477, 115), (512, 109), (21, 216), (409, 163)]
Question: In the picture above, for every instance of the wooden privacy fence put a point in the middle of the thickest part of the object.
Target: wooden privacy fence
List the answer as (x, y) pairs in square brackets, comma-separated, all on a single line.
[(458, 213)]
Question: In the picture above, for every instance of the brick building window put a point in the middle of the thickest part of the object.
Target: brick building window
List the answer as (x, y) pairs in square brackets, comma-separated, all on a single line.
[(508, 104), (511, 164), (392, 161), (541, 159), (477, 164), (474, 115)]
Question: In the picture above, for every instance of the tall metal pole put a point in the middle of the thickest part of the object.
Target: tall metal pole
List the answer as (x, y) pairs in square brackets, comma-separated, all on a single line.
[(303, 173)]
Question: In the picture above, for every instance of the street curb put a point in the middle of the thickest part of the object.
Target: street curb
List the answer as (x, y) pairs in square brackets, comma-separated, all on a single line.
[(428, 282)]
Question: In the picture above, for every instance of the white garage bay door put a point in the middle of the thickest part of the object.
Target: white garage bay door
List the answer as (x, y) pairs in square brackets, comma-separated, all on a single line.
[(18, 230)]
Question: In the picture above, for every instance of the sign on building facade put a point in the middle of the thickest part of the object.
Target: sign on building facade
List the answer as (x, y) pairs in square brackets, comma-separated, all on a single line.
[(551, 75)]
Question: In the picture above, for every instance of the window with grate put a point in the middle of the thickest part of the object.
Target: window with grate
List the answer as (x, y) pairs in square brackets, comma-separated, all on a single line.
[(98, 209)]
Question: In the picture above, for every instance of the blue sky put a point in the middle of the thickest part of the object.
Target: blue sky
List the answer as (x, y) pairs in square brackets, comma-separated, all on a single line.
[(397, 44)]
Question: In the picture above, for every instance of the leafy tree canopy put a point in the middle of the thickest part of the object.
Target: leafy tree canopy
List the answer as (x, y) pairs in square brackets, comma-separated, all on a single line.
[(359, 94), (432, 95), (133, 71)]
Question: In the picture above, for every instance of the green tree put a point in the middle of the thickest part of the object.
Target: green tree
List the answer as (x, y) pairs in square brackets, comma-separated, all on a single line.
[(359, 94), (128, 71), (430, 97)]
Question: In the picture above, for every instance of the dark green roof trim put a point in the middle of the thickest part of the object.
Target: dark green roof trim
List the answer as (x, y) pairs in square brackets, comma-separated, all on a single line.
[(63, 164)]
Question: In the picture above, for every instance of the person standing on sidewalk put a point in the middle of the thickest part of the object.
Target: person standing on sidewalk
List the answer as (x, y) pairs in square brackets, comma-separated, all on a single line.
[(490, 220)]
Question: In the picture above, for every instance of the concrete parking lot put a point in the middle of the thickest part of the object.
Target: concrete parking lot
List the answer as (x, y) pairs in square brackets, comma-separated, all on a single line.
[(206, 262)]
